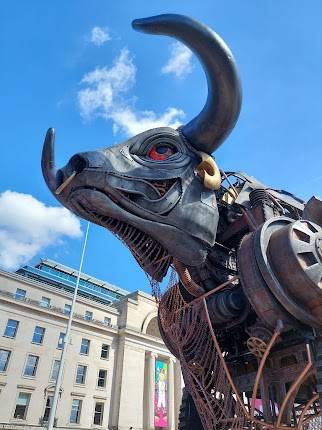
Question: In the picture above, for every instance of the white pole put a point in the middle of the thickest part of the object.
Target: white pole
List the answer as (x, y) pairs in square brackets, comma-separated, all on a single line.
[(66, 342)]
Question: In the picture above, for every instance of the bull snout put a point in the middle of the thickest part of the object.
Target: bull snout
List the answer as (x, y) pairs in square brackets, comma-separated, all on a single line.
[(59, 180)]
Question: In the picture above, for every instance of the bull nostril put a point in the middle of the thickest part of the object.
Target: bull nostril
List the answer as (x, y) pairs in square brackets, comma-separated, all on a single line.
[(78, 163), (59, 177), (67, 181), (64, 177)]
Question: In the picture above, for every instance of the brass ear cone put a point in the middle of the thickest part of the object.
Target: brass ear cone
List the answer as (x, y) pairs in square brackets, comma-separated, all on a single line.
[(209, 172)]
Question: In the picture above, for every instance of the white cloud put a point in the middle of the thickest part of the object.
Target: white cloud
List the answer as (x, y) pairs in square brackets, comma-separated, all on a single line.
[(99, 35), (133, 123), (105, 86), (179, 62), (105, 96), (27, 226)]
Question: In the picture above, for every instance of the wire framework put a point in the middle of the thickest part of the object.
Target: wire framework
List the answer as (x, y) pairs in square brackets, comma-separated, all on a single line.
[(207, 375)]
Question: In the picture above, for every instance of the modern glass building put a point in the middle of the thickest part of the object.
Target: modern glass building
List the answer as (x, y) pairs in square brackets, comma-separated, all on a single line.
[(60, 276)]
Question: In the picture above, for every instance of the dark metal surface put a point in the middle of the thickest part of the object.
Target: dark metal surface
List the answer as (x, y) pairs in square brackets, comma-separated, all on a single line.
[(219, 314), (163, 199), (296, 258), (263, 301), (220, 113), (287, 299), (313, 210)]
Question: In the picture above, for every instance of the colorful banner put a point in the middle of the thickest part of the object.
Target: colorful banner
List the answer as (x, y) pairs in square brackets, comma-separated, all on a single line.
[(161, 395)]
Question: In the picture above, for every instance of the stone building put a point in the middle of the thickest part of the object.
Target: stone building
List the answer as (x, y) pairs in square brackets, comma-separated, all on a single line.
[(113, 361)]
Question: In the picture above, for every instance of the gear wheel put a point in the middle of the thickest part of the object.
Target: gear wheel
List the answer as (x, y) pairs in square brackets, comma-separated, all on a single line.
[(256, 346)]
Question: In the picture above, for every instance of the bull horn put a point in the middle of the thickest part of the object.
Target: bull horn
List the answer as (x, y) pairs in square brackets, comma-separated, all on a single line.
[(212, 125), (209, 172), (48, 160)]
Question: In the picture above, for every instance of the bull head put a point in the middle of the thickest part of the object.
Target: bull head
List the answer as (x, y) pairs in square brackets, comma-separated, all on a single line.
[(156, 191)]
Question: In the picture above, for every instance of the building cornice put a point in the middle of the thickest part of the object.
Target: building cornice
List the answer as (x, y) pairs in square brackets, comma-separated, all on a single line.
[(54, 311), (58, 291)]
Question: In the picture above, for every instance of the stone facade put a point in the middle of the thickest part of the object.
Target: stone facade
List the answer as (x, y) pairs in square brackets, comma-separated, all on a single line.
[(114, 390)]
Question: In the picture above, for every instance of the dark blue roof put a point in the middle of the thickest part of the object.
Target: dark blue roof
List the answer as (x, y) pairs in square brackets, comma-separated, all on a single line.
[(64, 277)]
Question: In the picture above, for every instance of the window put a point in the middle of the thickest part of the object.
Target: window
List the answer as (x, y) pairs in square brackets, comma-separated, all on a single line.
[(88, 316), (84, 349), (98, 413), (38, 335), (20, 294), (22, 406), (67, 309), (101, 380), (61, 341), (76, 411), (55, 370), (107, 321), (105, 351), (11, 328), (4, 359), (31, 365), (45, 302), (48, 406), (81, 374)]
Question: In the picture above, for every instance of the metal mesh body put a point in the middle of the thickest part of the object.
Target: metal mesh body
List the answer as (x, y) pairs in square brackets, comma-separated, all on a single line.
[(192, 338), (202, 363), (314, 424)]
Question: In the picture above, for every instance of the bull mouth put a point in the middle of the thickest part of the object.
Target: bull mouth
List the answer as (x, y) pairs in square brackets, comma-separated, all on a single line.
[(151, 256)]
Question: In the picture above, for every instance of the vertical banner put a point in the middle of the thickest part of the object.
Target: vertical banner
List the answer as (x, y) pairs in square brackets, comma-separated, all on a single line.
[(161, 394)]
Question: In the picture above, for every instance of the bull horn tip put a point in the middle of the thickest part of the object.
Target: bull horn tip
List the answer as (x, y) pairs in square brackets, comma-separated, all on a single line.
[(136, 24), (50, 132), (139, 24)]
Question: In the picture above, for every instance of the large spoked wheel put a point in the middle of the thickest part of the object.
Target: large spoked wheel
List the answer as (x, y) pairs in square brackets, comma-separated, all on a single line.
[(188, 418)]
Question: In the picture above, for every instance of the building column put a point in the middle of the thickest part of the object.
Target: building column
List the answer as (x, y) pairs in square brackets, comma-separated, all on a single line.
[(171, 400), (151, 389), (179, 384)]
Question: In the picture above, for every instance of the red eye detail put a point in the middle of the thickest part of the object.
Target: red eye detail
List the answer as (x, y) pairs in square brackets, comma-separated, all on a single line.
[(161, 152)]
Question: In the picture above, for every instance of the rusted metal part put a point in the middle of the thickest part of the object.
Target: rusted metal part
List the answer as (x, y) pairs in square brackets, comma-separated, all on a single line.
[(256, 346), (277, 332), (263, 205), (256, 289), (204, 366), (208, 294), (192, 287), (241, 225), (294, 387), (265, 256), (150, 254), (313, 210), (214, 338), (260, 335), (196, 371), (202, 363), (305, 409), (261, 284), (298, 245)]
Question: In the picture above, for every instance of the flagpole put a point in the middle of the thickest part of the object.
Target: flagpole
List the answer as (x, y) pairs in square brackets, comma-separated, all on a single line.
[(53, 408)]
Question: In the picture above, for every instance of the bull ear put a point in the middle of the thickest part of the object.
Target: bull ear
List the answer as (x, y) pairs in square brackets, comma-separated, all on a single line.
[(209, 172), (212, 125)]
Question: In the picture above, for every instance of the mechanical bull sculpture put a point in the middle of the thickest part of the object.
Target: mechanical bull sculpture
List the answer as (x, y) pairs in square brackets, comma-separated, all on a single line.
[(245, 315)]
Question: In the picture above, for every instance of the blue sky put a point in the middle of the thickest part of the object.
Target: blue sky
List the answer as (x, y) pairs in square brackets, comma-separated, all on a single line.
[(50, 53)]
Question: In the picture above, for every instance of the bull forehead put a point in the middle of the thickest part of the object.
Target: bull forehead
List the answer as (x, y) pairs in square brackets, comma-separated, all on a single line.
[(129, 158)]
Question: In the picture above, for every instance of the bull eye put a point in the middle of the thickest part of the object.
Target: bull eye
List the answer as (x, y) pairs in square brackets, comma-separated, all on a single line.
[(161, 151)]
